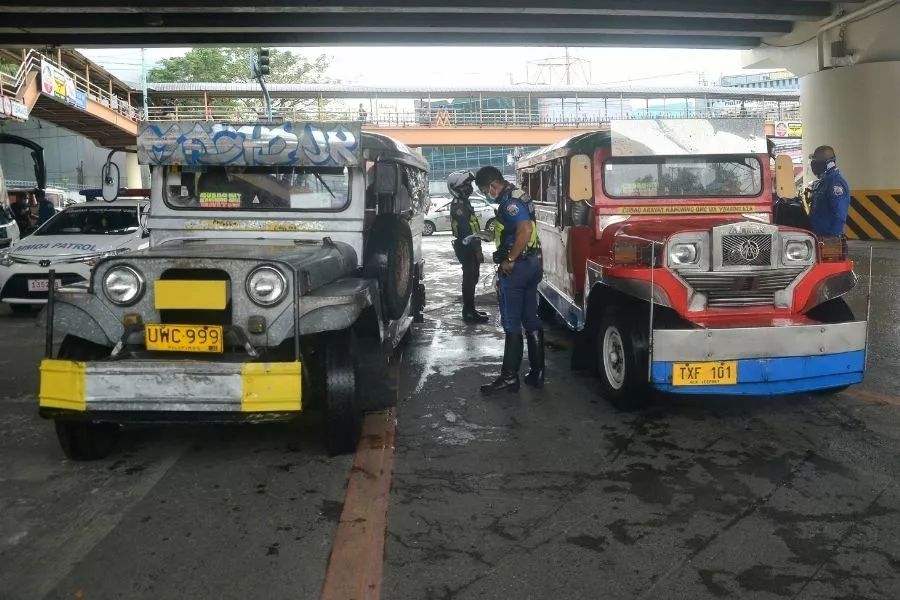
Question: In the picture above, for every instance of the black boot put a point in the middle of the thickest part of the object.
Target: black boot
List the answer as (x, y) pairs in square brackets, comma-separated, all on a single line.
[(473, 316), (509, 372), (535, 375)]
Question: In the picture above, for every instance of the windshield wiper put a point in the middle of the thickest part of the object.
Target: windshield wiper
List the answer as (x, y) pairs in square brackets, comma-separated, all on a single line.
[(322, 181)]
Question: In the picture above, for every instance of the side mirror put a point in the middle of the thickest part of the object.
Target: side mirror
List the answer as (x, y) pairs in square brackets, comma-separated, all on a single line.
[(387, 177), (581, 186), (109, 176), (785, 184)]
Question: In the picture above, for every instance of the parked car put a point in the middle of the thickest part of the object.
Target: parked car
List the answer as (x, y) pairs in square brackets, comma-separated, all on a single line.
[(438, 216), (71, 243)]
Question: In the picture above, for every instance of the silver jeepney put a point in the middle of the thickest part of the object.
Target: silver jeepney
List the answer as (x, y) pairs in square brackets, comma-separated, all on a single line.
[(278, 253)]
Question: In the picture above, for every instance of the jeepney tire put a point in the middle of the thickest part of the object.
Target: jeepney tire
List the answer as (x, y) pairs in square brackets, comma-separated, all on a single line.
[(835, 310), (389, 259), (83, 440), (343, 411), (622, 379)]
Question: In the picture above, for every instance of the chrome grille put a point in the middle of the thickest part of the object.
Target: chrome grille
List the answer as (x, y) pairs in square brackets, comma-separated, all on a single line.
[(747, 250), (751, 288)]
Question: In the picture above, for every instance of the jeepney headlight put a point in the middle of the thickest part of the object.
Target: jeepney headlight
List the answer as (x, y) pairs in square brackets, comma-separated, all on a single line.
[(5, 260), (123, 285), (266, 286), (797, 251), (684, 254)]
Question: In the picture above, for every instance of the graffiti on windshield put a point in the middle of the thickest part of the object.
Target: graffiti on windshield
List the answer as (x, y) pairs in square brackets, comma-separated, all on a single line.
[(287, 144)]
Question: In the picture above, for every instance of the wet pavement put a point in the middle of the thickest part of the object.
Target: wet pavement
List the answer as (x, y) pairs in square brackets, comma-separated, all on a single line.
[(540, 494)]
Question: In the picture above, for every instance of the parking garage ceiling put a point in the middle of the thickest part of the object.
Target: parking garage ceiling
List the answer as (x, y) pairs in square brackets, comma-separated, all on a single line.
[(158, 23)]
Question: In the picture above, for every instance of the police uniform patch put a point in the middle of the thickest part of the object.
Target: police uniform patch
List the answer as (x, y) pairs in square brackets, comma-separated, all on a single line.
[(838, 190), (512, 209), (459, 212)]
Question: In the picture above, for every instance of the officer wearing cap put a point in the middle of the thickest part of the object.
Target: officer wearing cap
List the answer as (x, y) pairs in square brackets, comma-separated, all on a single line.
[(466, 243), (829, 194), (521, 268)]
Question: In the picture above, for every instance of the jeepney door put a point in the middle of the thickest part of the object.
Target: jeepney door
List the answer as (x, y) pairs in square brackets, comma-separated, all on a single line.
[(551, 211)]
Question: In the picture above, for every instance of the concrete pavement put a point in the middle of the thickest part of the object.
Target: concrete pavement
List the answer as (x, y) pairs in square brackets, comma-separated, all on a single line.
[(549, 494)]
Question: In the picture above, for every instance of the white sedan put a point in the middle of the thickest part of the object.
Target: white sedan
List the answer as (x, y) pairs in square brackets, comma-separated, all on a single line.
[(70, 243), (438, 216)]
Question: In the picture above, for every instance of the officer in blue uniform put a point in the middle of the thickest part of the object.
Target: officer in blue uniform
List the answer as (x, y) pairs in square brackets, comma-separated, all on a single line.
[(830, 195), (521, 268)]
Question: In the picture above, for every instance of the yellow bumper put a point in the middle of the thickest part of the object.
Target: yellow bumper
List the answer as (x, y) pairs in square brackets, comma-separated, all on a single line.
[(171, 386)]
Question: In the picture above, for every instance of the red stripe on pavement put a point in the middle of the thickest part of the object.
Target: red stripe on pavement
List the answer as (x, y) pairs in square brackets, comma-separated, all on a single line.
[(357, 555)]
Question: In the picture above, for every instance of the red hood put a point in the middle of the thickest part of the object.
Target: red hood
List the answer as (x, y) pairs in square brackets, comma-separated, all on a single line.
[(659, 229)]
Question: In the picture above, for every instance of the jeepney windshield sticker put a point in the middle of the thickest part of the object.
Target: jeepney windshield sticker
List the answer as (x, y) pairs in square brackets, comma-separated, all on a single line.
[(681, 210), (257, 189), (682, 177)]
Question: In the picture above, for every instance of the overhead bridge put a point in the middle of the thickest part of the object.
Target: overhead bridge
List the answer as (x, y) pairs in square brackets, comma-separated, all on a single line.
[(521, 115)]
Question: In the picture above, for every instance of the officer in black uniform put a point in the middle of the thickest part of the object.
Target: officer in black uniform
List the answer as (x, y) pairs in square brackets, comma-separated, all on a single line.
[(466, 242), (521, 269)]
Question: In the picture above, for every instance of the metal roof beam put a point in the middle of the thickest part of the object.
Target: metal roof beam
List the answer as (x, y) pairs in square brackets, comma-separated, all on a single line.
[(790, 10)]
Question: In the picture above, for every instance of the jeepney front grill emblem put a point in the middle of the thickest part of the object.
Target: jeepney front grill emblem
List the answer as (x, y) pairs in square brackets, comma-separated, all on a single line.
[(747, 250), (44, 263)]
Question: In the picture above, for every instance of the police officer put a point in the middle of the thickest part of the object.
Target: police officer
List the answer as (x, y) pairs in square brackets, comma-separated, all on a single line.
[(521, 268), (829, 194), (466, 242)]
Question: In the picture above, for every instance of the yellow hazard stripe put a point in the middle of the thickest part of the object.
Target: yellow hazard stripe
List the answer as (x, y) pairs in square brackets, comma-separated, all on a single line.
[(874, 215)]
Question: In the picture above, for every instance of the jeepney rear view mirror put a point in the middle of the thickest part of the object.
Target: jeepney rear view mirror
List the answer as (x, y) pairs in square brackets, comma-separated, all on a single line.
[(387, 176), (785, 185), (580, 182)]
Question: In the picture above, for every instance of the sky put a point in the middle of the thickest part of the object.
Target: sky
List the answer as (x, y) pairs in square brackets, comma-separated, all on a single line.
[(399, 66)]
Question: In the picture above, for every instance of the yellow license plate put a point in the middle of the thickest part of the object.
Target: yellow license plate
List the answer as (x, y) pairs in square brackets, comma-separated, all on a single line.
[(705, 373), (184, 338)]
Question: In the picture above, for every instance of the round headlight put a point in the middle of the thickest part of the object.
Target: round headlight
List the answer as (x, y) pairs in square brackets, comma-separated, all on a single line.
[(796, 250), (684, 254), (266, 286), (123, 285)]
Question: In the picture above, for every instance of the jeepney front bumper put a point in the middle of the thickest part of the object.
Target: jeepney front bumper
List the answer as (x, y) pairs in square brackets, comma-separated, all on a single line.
[(759, 361), (146, 390)]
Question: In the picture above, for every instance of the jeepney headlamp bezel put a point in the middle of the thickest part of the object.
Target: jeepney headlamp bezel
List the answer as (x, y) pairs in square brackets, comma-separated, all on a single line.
[(802, 243), (276, 279), (132, 276), (684, 253)]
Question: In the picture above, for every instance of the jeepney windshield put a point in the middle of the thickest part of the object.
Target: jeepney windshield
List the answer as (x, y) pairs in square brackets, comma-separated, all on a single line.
[(257, 188), (682, 176)]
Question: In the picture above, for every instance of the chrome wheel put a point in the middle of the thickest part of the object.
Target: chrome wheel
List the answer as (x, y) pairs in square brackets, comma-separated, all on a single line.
[(613, 352)]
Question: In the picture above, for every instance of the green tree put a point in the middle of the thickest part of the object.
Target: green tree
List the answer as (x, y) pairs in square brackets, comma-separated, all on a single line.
[(232, 65)]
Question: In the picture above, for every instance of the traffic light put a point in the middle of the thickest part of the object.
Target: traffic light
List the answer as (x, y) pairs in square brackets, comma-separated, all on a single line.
[(263, 62)]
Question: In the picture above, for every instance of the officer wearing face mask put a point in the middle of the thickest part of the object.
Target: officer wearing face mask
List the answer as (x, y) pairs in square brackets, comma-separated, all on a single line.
[(521, 268), (829, 195)]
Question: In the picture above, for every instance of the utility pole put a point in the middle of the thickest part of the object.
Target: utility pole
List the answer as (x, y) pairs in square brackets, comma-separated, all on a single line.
[(144, 83)]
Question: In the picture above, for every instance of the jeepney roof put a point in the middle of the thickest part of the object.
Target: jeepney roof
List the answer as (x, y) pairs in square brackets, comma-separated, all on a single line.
[(653, 137), (287, 144)]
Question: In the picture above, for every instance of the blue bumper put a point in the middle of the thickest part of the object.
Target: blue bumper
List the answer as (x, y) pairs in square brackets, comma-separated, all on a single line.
[(770, 360), (775, 376)]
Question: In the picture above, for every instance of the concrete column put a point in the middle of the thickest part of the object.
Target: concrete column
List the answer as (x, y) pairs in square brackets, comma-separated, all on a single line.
[(132, 171), (854, 110)]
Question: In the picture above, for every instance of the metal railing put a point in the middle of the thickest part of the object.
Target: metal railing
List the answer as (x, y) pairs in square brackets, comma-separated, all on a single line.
[(438, 119), (13, 85)]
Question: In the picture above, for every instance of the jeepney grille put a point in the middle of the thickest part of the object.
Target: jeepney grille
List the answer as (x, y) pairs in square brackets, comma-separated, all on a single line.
[(731, 290), (747, 250)]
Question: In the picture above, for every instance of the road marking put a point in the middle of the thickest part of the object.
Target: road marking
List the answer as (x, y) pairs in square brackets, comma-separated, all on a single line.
[(357, 555)]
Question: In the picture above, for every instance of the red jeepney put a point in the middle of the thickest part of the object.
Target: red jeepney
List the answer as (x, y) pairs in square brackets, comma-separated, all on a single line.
[(659, 249)]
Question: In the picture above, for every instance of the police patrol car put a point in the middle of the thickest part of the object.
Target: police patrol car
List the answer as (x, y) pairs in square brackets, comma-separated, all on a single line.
[(71, 243)]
